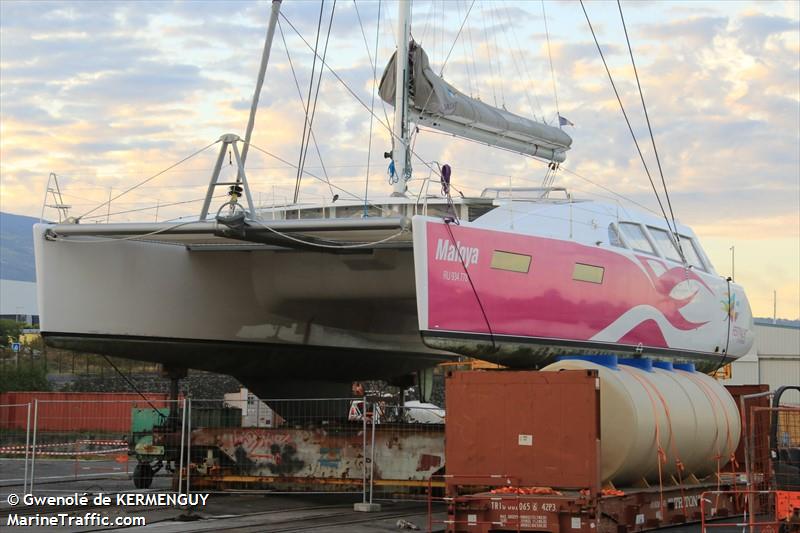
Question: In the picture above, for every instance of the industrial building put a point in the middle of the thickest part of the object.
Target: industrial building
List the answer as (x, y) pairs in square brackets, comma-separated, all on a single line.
[(18, 301), (774, 359)]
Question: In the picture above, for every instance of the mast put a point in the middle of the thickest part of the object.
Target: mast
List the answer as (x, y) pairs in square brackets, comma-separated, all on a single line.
[(273, 20), (400, 153)]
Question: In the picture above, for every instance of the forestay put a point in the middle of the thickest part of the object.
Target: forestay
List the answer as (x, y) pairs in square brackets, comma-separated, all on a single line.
[(435, 103)]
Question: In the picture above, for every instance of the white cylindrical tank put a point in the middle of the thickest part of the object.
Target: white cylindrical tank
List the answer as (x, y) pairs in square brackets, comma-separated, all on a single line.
[(684, 420)]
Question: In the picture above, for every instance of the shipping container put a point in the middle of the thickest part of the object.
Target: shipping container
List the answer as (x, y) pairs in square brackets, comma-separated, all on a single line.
[(106, 412)]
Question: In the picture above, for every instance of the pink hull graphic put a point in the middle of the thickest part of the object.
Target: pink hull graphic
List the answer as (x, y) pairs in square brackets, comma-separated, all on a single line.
[(615, 300)]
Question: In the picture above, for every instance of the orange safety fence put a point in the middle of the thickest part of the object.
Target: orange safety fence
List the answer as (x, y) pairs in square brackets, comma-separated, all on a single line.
[(765, 519), (774, 448)]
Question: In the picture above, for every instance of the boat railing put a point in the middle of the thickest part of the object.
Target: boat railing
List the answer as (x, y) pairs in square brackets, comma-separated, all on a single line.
[(423, 198), (524, 193)]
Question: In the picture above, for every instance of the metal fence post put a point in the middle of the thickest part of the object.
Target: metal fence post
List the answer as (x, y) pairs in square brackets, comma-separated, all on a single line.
[(33, 449), (372, 452), (183, 443), (27, 449), (364, 449), (188, 447)]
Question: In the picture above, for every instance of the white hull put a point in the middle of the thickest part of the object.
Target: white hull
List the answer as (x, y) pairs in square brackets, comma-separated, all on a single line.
[(272, 314), (286, 314)]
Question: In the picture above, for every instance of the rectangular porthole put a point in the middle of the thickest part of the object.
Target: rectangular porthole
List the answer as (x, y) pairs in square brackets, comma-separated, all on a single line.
[(590, 273), (511, 261)]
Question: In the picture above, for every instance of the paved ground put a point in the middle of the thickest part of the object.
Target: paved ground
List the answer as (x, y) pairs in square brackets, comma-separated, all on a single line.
[(60, 476), (250, 514), (234, 513)]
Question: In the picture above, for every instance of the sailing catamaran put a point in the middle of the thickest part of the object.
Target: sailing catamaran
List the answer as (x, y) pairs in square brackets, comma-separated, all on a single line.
[(299, 300)]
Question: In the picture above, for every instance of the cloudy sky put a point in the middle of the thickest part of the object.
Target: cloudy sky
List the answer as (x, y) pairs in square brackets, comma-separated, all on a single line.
[(106, 94)]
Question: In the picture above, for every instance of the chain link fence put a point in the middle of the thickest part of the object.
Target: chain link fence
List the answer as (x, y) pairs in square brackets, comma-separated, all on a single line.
[(370, 448), (15, 424)]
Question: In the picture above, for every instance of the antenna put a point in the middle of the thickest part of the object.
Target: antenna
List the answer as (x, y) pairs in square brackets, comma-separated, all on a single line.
[(774, 306)]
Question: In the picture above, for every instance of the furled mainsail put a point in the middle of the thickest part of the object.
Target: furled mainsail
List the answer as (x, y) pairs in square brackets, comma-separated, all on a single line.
[(435, 103)]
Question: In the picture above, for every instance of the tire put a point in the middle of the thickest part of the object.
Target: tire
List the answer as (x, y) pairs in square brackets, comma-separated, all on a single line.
[(143, 476)]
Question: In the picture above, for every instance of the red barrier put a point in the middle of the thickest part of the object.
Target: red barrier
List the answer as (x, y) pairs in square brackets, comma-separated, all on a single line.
[(76, 411)]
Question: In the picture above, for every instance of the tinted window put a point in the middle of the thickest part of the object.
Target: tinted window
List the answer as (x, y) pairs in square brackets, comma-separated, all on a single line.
[(511, 261), (613, 236), (691, 253), (636, 238), (664, 243), (590, 273)]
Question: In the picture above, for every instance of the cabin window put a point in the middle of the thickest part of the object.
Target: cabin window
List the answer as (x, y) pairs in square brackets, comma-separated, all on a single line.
[(665, 244), (613, 236), (635, 237), (475, 211), (312, 213), (691, 253), (590, 273), (357, 211), (511, 261)]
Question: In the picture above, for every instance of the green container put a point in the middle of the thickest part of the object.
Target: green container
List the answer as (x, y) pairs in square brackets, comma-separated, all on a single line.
[(143, 420)]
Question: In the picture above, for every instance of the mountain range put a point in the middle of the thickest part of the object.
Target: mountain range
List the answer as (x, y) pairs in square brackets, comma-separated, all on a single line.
[(16, 247)]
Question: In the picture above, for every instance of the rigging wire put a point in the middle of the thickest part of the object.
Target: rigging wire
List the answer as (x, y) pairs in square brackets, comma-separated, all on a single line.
[(495, 347), (730, 318), (374, 65), (489, 55), (472, 56), (359, 100), (460, 29), (527, 83), (561, 167), (316, 99), (158, 206), (497, 54), (650, 130), (466, 63), (307, 173), (330, 246), (154, 176), (134, 387), (54, 235), (627, 121), (393, 236), (308, 98), (553, 70), (428, 99), (300, 95)]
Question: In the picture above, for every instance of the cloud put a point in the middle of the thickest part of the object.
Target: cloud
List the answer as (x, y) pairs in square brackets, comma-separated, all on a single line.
[(754, 29), (688, 33)]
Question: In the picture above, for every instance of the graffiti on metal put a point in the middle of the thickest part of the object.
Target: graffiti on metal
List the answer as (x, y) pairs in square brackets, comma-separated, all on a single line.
[(336, 452)]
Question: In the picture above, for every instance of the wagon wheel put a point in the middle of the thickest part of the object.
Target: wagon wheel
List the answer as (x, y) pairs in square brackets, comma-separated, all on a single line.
[(143, 476)]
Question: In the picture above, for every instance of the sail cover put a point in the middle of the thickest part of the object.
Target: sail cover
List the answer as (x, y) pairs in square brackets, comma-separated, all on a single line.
[(435, 103)]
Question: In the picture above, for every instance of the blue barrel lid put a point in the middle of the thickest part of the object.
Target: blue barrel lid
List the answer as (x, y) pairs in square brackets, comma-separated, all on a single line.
[(641, 363), (688, 367), (664, 365), (609, 361)]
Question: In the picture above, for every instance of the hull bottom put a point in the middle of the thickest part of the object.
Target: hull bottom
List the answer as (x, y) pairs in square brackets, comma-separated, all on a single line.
[(537, 352), (269, 370)]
